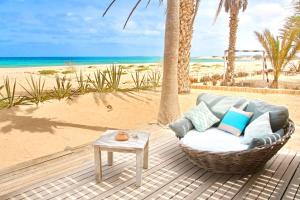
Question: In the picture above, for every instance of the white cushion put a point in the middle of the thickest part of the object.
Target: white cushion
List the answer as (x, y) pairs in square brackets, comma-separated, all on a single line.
[(259, 128), (214, 140)]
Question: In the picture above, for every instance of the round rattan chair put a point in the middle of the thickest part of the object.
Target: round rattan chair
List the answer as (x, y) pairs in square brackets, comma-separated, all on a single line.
[(242, 162)]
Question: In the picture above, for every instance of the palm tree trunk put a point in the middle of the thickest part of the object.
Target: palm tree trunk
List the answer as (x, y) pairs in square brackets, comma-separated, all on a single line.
[(274, 83), (169, 103), (186, 18), (233, 25)]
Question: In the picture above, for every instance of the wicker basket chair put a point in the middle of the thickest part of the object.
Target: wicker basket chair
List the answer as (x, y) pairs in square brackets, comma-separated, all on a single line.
[(242, 162)]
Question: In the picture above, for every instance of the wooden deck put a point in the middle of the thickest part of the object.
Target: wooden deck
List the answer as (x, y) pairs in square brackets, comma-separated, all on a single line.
[(70, 175)]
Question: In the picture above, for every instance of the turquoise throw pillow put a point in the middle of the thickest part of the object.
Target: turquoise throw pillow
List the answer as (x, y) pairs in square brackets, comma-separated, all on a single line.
[(235, 121), (201, 117)]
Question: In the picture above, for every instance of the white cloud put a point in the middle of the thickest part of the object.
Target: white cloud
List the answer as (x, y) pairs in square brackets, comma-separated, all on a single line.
[(259, 15)]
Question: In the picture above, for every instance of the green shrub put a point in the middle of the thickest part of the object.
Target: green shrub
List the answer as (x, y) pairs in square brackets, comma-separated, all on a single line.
[(48, 72), (205, 79), (129, 67), (36, 90), (241, 74), (193, 80), (216, 77), (142, 68), (69, 70)]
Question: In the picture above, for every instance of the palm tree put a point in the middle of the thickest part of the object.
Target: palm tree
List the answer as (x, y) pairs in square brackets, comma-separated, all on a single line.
[(188, 11), (187, 14), (169, 103), (232, 6), (280, 50)]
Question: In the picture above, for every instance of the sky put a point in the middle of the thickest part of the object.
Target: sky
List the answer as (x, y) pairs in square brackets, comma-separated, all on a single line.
[(77, 28)]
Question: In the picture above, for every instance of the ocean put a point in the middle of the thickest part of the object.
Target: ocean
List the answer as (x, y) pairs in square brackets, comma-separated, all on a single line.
[(16, 62)]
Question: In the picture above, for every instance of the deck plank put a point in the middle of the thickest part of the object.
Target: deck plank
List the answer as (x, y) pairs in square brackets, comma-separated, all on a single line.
[(237, 183), (89, 175), (170, 175), (250, 187), (293, 187), (118, 165), (282, 185), (116, 178)]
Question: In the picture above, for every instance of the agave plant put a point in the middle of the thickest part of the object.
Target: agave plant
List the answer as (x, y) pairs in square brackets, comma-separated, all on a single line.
[(83, 84), (63, 88), (36, 92), (9, 99), (139, 81), (114, 77), (154, 78), (98, 83), (280, 50)]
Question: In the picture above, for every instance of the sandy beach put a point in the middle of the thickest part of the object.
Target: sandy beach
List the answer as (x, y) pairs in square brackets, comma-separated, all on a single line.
[(29, 132), (197, 71)]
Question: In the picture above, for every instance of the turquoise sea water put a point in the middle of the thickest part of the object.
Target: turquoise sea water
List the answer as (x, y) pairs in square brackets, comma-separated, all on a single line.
[(15, 62)]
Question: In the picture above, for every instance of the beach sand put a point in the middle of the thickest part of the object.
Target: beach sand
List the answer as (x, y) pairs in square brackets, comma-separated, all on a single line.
[(197, 70), (28, 132)]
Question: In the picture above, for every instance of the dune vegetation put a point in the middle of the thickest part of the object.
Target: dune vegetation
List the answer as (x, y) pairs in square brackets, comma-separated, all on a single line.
[(104, 81)]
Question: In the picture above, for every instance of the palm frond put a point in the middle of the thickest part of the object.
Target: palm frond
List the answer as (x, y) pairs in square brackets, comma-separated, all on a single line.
[(230, 4), (148, 3), (293, 22), (108, 7), (219, 10), (196, 10), (131, 12)]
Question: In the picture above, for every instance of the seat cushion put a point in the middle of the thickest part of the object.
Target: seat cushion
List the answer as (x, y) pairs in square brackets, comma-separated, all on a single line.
[(214, 140), (278, 114), (219, 105), (181, 127)]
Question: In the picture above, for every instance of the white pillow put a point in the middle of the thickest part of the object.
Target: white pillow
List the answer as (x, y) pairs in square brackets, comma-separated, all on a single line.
[(259, 128), (201, 117)]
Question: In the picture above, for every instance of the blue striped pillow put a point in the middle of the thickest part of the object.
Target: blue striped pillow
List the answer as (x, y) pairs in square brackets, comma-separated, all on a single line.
[(235, 121), (267, 139)]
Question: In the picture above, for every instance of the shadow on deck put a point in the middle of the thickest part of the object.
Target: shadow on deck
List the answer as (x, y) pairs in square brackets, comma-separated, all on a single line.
[(70, 175)]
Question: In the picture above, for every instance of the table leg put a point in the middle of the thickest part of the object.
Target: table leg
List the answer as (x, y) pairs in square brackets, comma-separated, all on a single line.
[(146, 156), (139, 160), (98, 167), (110, 158)]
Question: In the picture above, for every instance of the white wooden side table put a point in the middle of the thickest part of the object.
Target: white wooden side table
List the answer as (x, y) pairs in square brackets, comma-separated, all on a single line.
[(137, 143)]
